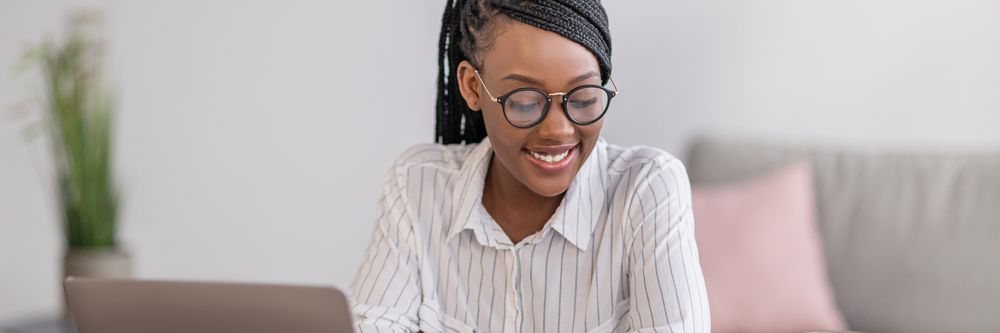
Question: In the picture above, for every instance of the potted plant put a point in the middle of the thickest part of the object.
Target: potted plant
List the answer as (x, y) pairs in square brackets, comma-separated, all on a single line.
[(79, 114)]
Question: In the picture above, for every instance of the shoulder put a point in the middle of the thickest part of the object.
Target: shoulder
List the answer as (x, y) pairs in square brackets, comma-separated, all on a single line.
[(425, 164), (650, 185), (641, 177), (643, 162), (418, 181), (431, 157)]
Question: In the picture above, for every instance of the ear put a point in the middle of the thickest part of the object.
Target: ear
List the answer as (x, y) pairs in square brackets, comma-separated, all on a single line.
[(470, 87)]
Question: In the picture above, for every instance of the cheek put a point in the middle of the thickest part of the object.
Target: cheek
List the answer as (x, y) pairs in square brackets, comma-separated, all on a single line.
[(591, 132), (492, 116), (506, 139), (589, 135)]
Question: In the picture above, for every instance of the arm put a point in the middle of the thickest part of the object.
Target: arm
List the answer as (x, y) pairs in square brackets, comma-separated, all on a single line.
[(667, 288), (385, 290)]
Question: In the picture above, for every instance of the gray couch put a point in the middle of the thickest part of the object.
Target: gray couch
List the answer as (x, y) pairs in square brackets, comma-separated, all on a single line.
[(912, 239)]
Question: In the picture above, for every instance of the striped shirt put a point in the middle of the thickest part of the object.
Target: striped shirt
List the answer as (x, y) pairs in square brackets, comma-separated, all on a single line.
[(617, 255)]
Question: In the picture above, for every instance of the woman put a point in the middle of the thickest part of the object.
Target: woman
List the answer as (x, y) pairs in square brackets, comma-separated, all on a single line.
[(523, 219)]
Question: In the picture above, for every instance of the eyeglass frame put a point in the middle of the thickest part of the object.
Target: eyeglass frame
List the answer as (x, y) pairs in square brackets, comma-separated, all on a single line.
[(548, 101)]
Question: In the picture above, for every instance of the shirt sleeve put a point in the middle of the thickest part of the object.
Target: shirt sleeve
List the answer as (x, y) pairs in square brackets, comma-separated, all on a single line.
[(385, 290), (665, 281)]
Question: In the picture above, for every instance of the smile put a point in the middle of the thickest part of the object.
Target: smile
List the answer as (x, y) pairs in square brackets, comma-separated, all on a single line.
[(551, 159), (548, 157)]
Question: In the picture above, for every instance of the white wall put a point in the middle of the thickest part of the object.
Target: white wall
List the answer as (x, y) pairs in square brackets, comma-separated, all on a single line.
[(858, 73), (253, 136)]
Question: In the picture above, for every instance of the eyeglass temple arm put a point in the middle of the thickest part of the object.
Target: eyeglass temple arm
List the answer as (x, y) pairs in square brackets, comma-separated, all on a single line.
[(613, 85), (483, 83)]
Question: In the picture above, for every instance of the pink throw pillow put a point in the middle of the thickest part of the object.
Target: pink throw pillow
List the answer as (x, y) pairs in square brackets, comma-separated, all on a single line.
[(762, 255)]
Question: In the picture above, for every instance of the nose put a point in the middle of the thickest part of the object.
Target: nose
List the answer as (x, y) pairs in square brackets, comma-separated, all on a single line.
[(556, 126)]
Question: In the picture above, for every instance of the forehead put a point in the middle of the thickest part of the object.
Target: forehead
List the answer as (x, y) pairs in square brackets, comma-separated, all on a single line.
[(524, 49)]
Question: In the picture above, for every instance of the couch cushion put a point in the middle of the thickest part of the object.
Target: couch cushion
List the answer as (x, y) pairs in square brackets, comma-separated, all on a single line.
[(761, 254), (912, 239)]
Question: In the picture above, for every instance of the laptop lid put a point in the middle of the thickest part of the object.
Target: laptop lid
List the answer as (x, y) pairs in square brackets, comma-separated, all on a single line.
[(129, 306)]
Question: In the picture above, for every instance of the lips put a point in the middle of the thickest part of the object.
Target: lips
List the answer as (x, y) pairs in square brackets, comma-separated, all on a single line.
[(551, 159)]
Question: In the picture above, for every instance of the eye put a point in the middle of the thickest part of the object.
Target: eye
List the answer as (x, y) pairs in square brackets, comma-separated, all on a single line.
[(529, 106), (583, 103), (526, 101)]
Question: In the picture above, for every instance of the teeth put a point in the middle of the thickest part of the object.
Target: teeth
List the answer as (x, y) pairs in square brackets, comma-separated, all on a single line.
[(550, 158)]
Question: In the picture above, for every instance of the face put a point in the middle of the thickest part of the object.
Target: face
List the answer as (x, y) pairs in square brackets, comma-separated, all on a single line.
[(544, 158)]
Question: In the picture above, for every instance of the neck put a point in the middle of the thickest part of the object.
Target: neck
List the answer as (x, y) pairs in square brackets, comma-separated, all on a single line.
[(518, 210)]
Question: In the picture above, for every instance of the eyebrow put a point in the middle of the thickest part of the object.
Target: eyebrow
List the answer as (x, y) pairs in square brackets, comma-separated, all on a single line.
[(530, 80)]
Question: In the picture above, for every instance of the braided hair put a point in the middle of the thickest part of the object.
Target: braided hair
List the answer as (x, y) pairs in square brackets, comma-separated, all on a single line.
[(468, 28)]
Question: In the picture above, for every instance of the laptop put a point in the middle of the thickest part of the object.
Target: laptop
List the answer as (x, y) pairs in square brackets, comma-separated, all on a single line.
[(148, 306)]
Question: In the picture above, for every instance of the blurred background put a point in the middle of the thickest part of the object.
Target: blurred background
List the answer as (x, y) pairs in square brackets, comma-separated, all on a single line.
[(253, 136)]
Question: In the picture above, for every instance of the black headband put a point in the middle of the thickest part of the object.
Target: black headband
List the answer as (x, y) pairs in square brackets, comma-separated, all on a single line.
[(584, 22)]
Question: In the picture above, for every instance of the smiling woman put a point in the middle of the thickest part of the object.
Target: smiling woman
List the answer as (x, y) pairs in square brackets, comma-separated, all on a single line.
[(521, 218)]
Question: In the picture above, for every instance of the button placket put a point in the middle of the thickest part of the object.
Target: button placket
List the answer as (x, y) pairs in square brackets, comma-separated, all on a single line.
[(513, 323)]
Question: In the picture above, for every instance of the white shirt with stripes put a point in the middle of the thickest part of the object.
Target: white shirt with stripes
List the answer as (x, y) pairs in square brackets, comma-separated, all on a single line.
[(617, 255)]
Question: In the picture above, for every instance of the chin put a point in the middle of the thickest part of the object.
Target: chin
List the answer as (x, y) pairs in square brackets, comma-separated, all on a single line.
[(549, 190), (549, 185)]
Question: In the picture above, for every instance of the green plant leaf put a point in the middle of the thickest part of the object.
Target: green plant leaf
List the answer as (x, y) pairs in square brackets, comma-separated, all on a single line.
[(79, 117)]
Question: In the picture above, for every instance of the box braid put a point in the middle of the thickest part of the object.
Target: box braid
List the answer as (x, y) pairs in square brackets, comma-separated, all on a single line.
[(468, 28)]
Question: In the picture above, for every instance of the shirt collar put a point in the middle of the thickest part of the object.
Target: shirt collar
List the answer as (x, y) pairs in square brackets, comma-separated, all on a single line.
[(574, 219)]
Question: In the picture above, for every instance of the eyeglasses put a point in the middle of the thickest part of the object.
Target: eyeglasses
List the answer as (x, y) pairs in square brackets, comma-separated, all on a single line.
[(526, 107)]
